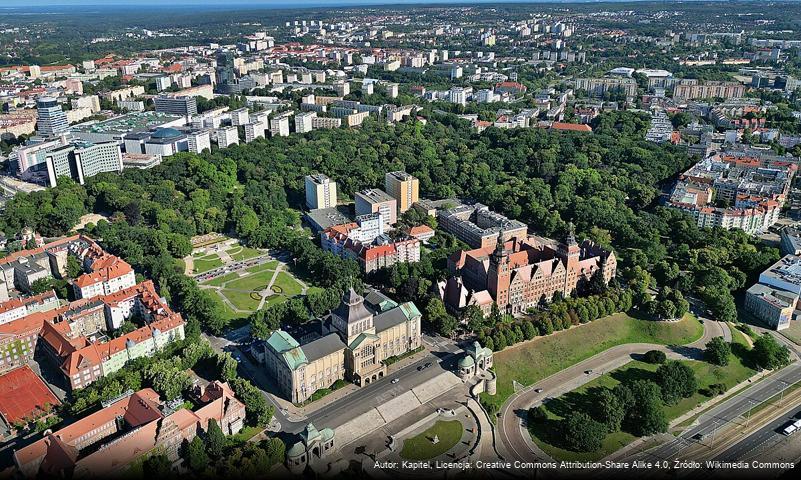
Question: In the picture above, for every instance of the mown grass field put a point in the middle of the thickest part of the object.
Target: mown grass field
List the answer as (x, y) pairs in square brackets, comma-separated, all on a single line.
[(534, 360)]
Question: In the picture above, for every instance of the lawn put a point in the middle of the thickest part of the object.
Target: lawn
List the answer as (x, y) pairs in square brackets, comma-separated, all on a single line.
[(420, 447), (581, 399), (217, 282), (253, 282), (269, 265), (532, 361), (226, 311), (242, 300), (793, 332), (209, 262), (287, 285), (242, 253)]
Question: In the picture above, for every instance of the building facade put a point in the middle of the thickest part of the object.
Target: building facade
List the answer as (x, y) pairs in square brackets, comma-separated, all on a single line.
[(404, 188), (352, 343), (321, 192), (522, 273)]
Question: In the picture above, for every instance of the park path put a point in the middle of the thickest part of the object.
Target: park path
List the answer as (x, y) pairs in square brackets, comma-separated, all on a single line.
[(516, 443), (189, 265), (267, 290)]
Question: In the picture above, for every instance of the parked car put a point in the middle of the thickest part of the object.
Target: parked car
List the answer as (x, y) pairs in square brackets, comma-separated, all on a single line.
[(588, 372), (395, 380)]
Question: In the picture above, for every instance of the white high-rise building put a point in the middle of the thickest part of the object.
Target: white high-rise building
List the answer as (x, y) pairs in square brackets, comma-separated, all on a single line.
[(240, 117), (254, 130), (303, 121), (458, 95), (227, 136), (321, 192), (279, 126), (199, 141)]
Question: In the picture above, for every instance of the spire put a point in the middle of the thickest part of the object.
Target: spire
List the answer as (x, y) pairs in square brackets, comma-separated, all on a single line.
[(570, 239)]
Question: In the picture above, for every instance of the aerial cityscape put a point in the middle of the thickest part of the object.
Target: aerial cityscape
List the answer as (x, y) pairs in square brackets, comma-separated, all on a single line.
[(400, 240)]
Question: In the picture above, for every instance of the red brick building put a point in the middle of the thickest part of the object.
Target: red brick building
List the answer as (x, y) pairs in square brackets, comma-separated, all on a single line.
[(519, 274)]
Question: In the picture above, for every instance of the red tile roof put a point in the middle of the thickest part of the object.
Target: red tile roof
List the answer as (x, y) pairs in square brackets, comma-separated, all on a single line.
[(24, 395), (18, 302), (104, 269), (573, 127)]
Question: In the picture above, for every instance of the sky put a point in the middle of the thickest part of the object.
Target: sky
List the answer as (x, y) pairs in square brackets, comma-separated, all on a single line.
[(261, 3)]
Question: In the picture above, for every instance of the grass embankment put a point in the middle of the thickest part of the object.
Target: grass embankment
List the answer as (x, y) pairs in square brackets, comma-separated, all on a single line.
[(421, 447), (534, 360)]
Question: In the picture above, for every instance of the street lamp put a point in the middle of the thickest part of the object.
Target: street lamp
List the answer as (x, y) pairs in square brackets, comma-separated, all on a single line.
[(750, 407), (783, 390)]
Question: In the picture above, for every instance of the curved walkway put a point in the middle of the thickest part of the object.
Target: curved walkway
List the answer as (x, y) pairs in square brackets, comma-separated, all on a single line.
[(514, 440)]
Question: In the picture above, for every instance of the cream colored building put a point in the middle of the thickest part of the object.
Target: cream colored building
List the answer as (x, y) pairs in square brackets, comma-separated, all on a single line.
[(353, 342), (402, 187), (321, 192)]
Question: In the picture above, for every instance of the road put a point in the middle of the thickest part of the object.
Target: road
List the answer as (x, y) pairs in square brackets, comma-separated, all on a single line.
[(442, 356), (733, 410), (766, 439), (515, 442)]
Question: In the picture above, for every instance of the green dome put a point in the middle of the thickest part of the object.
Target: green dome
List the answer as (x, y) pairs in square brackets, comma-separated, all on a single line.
[(296, 450), (466, 361)]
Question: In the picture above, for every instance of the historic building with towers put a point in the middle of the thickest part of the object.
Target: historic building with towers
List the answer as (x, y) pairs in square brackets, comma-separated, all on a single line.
[(523, 272), (352, 342)]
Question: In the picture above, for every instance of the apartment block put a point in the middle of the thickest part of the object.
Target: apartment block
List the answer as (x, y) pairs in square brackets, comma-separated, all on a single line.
[(254, 130), (321, 192), (227, 136), (303, 122), (402, 187), (690, 89)]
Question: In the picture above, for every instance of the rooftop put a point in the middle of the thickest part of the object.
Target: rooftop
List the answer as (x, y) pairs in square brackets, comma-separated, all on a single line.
[(130, 122), (23, 395)]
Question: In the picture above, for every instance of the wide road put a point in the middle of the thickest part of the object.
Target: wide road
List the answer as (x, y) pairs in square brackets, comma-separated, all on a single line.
[(764, 440), (515, 442), (733, 410), (442, 357)]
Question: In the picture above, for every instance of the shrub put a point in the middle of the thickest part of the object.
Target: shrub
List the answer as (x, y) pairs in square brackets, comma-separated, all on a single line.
[(655, 357)]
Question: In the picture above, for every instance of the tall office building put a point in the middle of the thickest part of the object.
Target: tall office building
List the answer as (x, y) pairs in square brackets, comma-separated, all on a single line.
[(321, 192), (81, 160), (182, 105), (402, 187), (51, 119), (224, 72)]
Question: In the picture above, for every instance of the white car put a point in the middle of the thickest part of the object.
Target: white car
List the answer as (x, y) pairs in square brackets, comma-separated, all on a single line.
[(395, 380)]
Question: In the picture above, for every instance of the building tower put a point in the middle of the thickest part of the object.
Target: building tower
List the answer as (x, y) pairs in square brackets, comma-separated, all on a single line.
[(51, 120), (570, 253), (402, 187), (499, 274)]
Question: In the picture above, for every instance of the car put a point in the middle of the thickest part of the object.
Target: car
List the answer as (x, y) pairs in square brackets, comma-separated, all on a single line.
[(395, 380), (537, 390), (428, 364), (420, 367), (700, 436), (588, 372)]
